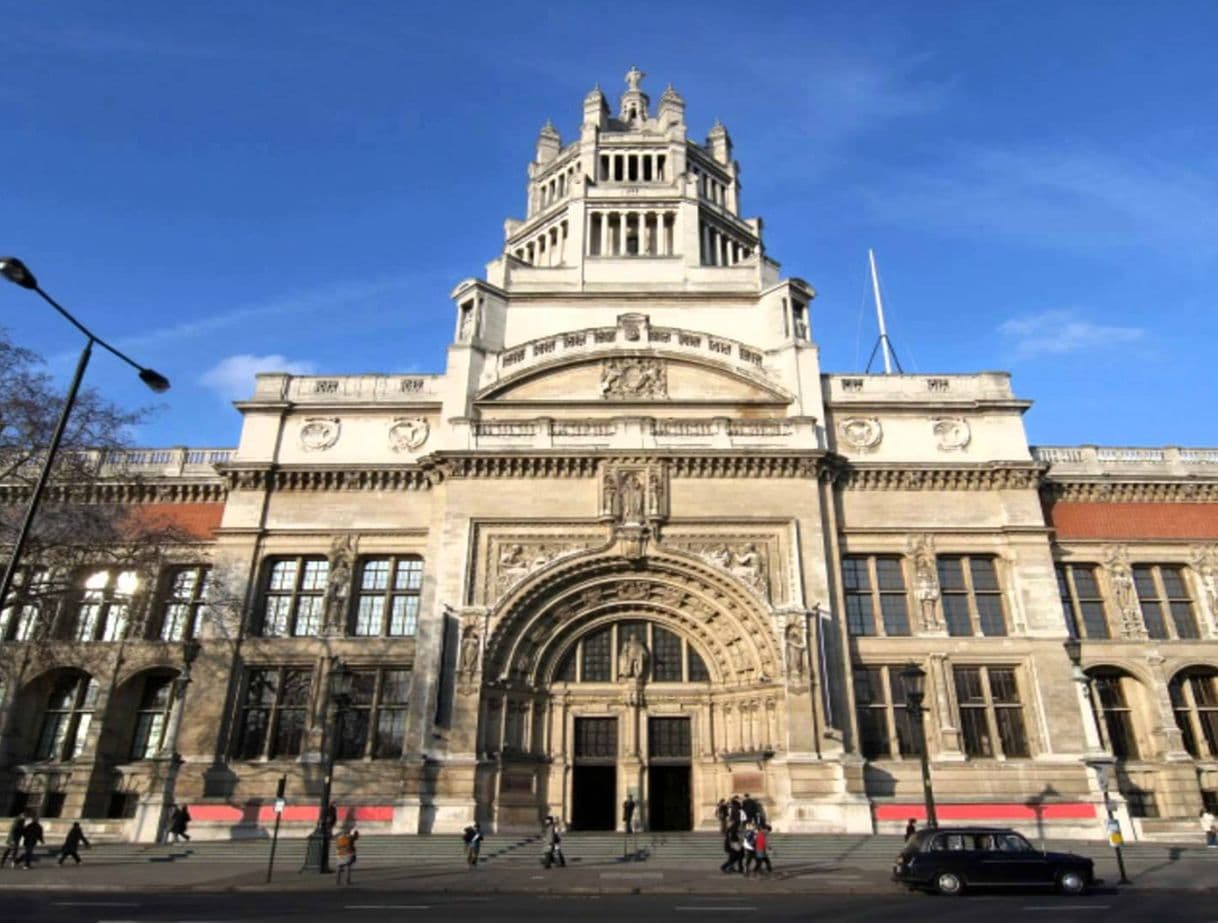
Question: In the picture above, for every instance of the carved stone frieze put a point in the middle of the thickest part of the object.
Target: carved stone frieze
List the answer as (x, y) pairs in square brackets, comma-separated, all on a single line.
[(633, 378), (319, 433), (952, 434), (861, 433), (408, 433), (1102, 491), (747, 561), (964, 477), (926, 583), (516, 560), (1124, 593)]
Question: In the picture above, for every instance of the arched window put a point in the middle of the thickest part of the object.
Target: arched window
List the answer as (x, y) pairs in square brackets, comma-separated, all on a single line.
[(1110, 698), (66, 719), (1194, 698), (156, 699), (670, 658)]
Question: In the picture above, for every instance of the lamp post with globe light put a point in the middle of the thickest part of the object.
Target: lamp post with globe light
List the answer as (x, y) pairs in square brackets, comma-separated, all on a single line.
[(914, 678), (18, 273)]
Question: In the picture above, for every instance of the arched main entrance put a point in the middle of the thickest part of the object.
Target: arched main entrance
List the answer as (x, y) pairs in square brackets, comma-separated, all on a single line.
[(604, 679)]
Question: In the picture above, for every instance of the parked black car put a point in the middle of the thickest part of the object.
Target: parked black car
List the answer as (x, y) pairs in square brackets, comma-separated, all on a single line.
[(950, 859)]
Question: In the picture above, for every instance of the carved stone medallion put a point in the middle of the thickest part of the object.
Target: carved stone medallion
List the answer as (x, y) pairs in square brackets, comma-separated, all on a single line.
[(408, 433), (319, 433), (633, 377), (951, 433), (862, 433)]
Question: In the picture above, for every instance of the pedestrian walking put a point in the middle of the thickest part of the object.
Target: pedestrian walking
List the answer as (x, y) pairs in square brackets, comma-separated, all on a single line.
[(721, 814), (344, 848), (735, 814), (911, 828), (72, 843), (472, 838), (762, 849), (12, 843), (31, 837), (1209, 826), (749, 842), (751, 808), (734, 849), (178, 821), (628, 807), (553, 844)]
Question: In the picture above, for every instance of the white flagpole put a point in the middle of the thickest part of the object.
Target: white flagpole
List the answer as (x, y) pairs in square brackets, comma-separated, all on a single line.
[(879, 310)]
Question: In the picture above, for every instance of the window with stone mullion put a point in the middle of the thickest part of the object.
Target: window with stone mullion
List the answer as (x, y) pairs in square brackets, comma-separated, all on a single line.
[(1114, 715), (1194, 698), (388, 597), (294, 596), (971, 596), (1086, 614), (885, 729), (991, 713), (1163, 595), (185, 596), (273, 714), (67, 717), (20, 620), (152, 717), (875, 584)]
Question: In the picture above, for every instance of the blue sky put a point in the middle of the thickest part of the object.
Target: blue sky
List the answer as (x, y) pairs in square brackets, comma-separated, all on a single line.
[(220, 186)]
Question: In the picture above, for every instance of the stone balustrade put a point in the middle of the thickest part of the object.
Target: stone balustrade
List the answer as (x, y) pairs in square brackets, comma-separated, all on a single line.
[(341, 389), (867, 389), (174, 462), (1169, 461)]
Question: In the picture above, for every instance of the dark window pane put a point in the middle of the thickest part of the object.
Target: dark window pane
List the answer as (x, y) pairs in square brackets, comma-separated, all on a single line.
[(296, 685), (566, 672), (1186, 731), (1110, 691), (697, 669), (596, 738), (1152, 615), (1209, 727), (976, 732), (1063, 586), (984, 577), (989, 615), (859, 618), (1204, 690), (395, 687), (1184, 620), (1144, 580), (354, 736), (896, 614), (1120, 734), (253, 734), (666, 656), (1002, 686), (363, 687), (289, 732), (956, 615), (595, 667), (1011, 732), (906, 740), (1173, 582), (668, 737), (889, 575), (968, 685), (868, 686), (1085, 582), (951, 573), (854, 574), (390, 733), (1095, 621), (873, 733)]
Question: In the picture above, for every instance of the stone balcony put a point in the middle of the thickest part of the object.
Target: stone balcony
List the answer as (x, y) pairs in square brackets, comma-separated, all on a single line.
[(637, 433), (347, 389), (1133, 461)]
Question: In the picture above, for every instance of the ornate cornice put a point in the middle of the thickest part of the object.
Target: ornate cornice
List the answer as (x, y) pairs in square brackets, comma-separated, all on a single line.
[(125, 492), (1107, 491), (994, 476)]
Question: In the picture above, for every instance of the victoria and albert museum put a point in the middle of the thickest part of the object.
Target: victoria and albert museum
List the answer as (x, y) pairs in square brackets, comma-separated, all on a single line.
[(629, 539)]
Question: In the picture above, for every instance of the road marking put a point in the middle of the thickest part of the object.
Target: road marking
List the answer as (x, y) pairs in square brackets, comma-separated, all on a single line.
[(95, 904), (388, 907), (1065, 908), (726, 907), (632, 874)]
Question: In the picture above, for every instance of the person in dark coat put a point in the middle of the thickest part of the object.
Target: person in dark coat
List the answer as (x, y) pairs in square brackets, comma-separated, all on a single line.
[(734, 847), (721, 814), (12, 843), (628, 813), (72, 844), (735, 816), (178, 822), (750, 807), (911, 828), (31, 837)]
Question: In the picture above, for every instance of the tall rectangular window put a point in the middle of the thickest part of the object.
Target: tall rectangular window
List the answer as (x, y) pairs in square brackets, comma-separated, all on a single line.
[(184, 596), (1113, 713), (885, 729), (595, 661), (595, 739), (991, 712), (1082, 601), (274, 713), (23, 620), (375, 724), (388, 596), (105, 605), (1167, 605), (874, 585), (971, 596), (294, 596)]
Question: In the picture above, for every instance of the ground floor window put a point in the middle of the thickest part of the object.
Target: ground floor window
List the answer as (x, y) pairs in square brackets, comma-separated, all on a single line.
[(274, 713), (991, 712), (885, 729), (68, 715), (374, 726)]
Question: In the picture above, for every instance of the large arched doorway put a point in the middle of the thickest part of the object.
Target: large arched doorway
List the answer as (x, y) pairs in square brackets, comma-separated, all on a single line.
[(608, 678)]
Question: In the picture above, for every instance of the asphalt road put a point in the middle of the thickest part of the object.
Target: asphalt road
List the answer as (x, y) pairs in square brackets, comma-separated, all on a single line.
[(356, 905)]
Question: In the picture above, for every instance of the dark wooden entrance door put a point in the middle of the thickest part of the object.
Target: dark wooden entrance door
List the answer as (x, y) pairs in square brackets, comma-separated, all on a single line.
[(668, 796), (594, 782)]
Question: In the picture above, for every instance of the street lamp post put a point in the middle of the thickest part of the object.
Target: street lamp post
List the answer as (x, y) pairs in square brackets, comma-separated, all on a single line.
[(317, 849), (190, 653), (914, 678), (16, 272), (1099, 762)]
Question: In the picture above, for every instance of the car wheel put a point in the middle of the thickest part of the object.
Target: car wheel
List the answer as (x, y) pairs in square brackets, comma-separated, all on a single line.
[(1071, 882), (949, 883)]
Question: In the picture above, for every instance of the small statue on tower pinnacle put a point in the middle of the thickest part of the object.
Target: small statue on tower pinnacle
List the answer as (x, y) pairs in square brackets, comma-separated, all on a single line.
[(634, 76)]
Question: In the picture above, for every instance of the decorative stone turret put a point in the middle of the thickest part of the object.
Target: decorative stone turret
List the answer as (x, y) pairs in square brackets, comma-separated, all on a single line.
[(634, 103), (549, 142), (596, 109), (719, 143), (672, 108)]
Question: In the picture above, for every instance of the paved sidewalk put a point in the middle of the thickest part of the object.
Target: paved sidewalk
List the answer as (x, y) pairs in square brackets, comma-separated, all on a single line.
[(1189, 870)]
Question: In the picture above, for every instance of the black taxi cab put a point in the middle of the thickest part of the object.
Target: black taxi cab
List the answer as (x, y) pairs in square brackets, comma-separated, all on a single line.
[(952, 859)]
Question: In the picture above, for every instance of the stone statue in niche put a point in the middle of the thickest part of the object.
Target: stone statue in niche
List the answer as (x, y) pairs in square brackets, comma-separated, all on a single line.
[(1205, 563), (338, 586), (655, 493), (471, 648), (1120, 574), (467, 322), (748, 566), (632, 498), (926, 582), (796, 653), (609, 496), (632, 661)]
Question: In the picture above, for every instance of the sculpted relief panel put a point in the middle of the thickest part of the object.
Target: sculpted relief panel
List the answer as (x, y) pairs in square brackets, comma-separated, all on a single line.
[(633, 378), (508, 558)]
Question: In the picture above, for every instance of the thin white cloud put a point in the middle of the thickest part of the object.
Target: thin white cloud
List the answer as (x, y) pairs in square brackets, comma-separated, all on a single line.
[(1055, 333), (233, 377)]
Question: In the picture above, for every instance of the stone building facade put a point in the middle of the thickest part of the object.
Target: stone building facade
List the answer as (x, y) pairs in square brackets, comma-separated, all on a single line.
[(632, 540)]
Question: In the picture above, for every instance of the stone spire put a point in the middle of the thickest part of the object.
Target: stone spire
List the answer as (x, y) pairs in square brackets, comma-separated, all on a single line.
[(596, 109), (672, 108), (719, 143), (634, 102), (549, 142)]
